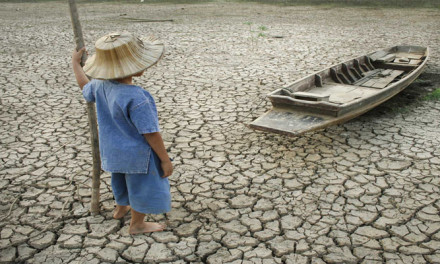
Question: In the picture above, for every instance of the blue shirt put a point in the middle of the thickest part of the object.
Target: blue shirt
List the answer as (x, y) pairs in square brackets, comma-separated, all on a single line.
[(125, 112)]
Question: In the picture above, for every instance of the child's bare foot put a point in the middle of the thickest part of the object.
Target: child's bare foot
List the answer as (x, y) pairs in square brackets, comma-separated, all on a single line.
[(120, 211), (146, 227)]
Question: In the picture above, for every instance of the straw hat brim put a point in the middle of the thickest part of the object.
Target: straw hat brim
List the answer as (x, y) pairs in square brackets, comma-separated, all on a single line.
[(126, 61)]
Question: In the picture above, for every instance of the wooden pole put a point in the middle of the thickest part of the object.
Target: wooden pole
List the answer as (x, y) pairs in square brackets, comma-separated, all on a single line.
[(91, 112)]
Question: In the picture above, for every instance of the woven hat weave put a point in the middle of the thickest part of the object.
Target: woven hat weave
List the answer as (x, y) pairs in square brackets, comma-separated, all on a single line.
[(119, 55)]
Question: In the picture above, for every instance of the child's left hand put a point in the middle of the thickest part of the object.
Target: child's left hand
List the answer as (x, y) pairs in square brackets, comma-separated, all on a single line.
[(167, 168)]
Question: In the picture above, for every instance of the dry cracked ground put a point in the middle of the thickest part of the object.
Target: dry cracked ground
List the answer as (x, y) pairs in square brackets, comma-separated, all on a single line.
[(363, 192)]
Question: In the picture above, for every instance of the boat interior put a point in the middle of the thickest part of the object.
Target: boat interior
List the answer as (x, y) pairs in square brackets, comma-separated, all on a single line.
[(344, 85)]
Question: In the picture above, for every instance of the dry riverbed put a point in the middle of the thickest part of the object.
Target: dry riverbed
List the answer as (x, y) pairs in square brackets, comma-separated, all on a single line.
[(363, 192)]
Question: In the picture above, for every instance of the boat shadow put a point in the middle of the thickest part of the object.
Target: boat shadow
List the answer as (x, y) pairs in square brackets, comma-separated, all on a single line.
[(411, 97)]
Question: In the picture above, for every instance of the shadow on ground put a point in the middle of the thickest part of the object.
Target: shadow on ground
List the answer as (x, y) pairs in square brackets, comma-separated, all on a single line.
[(413, 96)]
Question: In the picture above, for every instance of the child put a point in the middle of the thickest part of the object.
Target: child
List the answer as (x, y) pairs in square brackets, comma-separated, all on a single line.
[(130, 143)]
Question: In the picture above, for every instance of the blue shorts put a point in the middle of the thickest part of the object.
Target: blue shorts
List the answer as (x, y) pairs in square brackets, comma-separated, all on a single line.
[(145, 193)]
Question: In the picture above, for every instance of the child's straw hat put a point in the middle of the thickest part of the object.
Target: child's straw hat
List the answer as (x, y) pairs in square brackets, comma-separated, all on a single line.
[(120, 55)]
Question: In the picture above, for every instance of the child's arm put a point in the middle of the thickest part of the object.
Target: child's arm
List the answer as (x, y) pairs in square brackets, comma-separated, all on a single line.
[(156, 142), (81, 77)]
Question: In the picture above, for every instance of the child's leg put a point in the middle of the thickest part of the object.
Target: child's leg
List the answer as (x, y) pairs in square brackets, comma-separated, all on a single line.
[(148, 194), (138, 226), (120, 192)]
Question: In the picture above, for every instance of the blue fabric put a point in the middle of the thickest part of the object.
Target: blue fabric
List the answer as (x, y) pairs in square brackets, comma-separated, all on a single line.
[(145, 193), (125, 112)]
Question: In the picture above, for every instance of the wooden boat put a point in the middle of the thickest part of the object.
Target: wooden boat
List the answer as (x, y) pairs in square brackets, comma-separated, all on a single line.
[(343, 91)]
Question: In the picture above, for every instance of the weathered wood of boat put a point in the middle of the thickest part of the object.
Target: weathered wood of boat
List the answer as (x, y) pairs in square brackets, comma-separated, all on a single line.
[(343, 91)]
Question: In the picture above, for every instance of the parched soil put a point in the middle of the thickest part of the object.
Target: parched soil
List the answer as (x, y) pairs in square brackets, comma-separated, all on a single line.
[(366, 191)]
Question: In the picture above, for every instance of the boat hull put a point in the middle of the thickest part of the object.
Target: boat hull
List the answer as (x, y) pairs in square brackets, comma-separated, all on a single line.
[(294, 120)]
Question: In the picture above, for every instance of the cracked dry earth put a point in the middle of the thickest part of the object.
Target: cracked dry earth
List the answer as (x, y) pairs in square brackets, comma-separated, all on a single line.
[(363, 192)]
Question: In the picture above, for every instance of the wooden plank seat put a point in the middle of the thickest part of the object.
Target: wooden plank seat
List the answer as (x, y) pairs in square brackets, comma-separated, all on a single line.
[(310, 96), (341, 94), (387, 58), (366, 76), (380, 79), (403, 61)]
